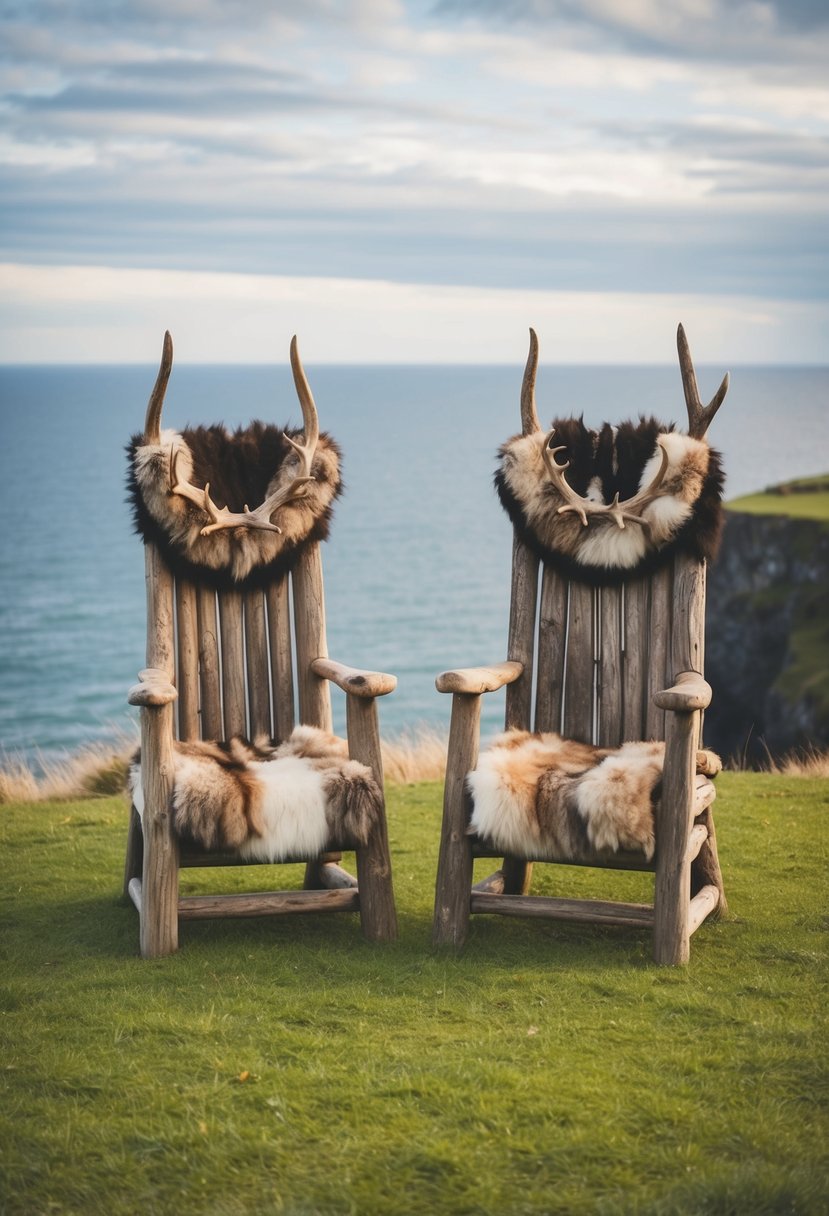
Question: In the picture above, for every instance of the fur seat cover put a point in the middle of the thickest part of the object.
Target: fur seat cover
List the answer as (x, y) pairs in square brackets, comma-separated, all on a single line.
[(268, 802), (537, 795), (686, 516), (242, 469)]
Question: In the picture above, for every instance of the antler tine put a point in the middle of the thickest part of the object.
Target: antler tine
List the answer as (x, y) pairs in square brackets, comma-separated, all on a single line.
[(529, 414), (310, 418), (152, 423), (699, 416)]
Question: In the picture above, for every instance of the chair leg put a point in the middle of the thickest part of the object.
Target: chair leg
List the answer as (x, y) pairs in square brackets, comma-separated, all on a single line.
[(134, 860), (672, 888), (378, 915), (518, 876), (454, 877), (159, 885)]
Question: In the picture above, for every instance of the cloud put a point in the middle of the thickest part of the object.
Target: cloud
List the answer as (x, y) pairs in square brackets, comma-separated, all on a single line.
[(104, 314), (606, 147)]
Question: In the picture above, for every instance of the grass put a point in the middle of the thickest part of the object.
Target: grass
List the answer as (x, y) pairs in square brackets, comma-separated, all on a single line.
[(806, 498), (286, 1066)]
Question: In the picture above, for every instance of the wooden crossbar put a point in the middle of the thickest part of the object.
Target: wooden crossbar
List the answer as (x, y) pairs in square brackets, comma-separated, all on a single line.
[(591, 910), (268, 903)]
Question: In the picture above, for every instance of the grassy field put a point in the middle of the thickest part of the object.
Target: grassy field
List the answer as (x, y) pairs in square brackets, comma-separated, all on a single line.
[(285, 1066), (806, 498)]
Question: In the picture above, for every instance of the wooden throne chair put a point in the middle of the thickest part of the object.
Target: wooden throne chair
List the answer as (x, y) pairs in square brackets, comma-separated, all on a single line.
[(236, 646), (600, 653)]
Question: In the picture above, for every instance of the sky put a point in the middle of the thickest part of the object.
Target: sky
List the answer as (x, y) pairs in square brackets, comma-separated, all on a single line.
[(414, 180)]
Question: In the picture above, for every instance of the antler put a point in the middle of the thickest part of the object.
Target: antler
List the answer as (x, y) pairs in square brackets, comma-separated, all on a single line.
[(699, 417), (529, 414), (221, 517), (615, 510), (152, 423)]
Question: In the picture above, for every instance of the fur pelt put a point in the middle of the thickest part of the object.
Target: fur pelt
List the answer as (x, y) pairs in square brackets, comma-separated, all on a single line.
[(687, 515), (242, 469), (539, 794), (267, 802)]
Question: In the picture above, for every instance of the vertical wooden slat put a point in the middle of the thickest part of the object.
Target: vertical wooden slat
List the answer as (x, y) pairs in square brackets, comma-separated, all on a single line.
[(256, 651), (160, 627), (657, 644), (521, 634), (311, 642), (578, 665), (634, 655), (672, 885), (233, 663), (610, 667), (282, 675), (552, 632), (188, 660), (211, 700)]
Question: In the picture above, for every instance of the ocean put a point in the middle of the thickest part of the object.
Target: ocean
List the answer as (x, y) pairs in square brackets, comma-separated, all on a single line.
[(417, 568)]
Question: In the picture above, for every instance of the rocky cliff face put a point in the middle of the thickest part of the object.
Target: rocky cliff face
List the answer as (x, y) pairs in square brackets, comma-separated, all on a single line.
[(767, 647)]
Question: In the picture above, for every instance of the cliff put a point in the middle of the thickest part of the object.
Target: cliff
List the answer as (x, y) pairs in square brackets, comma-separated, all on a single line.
[(767, 648)]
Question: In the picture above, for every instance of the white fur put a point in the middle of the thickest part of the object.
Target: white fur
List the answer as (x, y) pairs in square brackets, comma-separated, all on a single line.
[(293, 811), (496, 813)]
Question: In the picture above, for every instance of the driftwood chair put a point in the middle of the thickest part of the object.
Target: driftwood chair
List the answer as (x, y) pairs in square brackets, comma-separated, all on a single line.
[(601, 664), (250, 661)]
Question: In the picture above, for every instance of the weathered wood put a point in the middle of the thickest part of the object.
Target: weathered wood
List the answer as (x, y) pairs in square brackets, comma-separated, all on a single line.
[(634, 654), (378, 915), (311, 642), (702, 905), (134, 859), (493, 884), (552, 636), (593, 911), (159, 884), (212, 726), (454, 876), (704, 794), (256, 655), (234, 707), (696, 839), (518, 873), (267, 903), (154, 689), (610, 667), (354, 680), (688, 692), (187, 655), (579, 665), (335, 878), (672, 886), (658, 645), (160, 618), (282, 674), (134, 893), (472, 680), (521, 635), (705, 869), (688, 628)]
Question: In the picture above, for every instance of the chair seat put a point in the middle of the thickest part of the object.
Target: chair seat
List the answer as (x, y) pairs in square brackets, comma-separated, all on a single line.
[(618, 859)]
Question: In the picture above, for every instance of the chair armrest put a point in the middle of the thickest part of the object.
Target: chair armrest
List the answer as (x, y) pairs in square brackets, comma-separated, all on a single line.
[(155, 688), (353, 679), (690, 692), (479, 679)]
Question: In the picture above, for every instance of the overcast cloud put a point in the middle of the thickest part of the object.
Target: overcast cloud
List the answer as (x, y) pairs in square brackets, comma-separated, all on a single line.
[(624, 154)]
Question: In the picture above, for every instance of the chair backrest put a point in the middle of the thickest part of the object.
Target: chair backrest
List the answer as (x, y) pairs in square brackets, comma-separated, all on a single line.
[(594, 656), (240, 659)]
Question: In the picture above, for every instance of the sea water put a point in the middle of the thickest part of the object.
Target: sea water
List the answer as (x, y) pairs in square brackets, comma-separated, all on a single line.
[(417, 568)]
